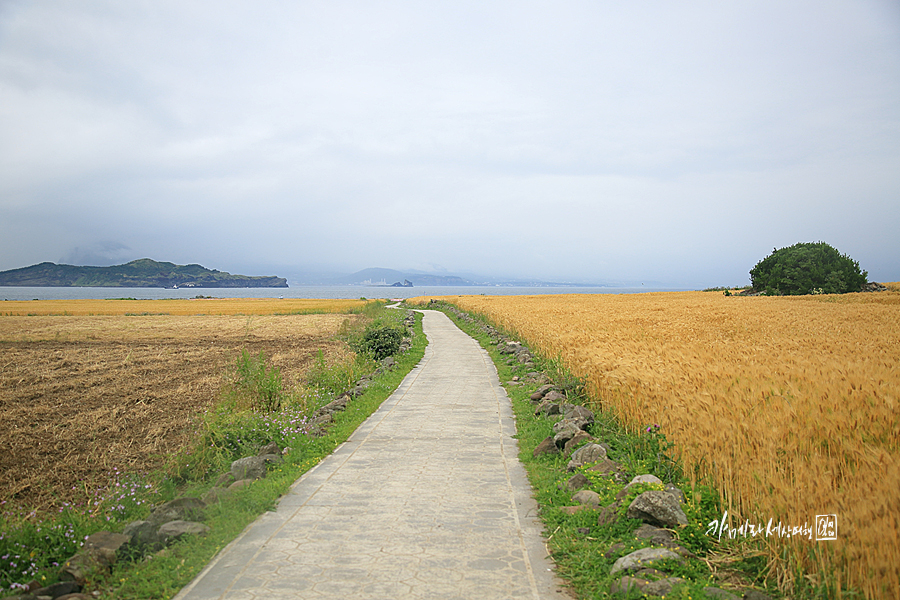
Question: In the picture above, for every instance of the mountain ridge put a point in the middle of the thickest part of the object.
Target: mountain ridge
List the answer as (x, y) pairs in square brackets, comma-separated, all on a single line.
[(144, 272)]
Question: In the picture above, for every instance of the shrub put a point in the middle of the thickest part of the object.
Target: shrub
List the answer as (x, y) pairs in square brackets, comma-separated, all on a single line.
[(382, 341), (807, 268)]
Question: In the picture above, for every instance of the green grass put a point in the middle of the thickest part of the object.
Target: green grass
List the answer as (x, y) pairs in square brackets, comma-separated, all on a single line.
[(32, 547)]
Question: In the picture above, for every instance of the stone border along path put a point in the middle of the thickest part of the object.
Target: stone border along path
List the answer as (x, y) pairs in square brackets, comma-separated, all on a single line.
[(427, 499)]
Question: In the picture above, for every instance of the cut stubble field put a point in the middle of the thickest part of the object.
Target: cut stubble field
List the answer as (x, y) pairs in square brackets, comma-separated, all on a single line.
[(84, 396)]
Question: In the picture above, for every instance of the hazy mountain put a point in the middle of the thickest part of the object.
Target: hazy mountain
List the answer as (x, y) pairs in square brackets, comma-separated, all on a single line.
[(137, 273)]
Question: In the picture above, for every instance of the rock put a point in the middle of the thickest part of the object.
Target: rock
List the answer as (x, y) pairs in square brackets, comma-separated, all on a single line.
[(270, 448), (714, 592), (323, 419), (607, 467), (646, 587), (578, 439), (143, 536), (240, 484), (554, 396), (540, 392), (75, 597), (574, 423), (63, 588), (388, 362), (609, 514), (99, 552), (250, 467), (510, 348), (587, 497), (640, 559), (565, 430), (656, 535), (576, 482), (657, 508), (874, 287), (585, 455), (546, 447), (613, 550), (181, 509), (546, 408), (337, 405), (663, 587), (174, 530), (575, 411), (662, 537), (645, 479)]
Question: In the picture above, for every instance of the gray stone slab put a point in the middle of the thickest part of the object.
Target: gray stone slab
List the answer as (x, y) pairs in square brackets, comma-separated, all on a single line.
[(426, 499)]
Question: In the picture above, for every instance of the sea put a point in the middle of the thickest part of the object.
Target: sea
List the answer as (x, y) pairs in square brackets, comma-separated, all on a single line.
[(301, 291)]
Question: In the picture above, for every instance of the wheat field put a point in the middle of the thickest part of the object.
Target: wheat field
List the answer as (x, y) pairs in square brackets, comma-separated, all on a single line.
[(790, 406), (182, 307)]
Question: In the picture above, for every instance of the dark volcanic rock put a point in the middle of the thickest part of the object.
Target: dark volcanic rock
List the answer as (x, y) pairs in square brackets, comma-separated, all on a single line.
[(657, 508), (545, 447)]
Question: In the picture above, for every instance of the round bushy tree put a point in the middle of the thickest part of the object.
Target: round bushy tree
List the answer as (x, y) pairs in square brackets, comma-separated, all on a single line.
[(807, 268)]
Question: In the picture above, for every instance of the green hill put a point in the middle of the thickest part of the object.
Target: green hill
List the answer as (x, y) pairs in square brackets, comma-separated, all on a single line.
[(138, 273)]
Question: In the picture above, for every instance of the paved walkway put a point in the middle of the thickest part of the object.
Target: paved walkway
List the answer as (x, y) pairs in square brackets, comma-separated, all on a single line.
[(427, 499)]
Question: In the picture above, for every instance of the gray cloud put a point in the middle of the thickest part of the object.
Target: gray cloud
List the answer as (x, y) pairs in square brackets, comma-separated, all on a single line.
[(589, 140)]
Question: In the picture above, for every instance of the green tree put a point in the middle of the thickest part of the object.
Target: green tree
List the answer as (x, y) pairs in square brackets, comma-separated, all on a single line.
[(807, 268)]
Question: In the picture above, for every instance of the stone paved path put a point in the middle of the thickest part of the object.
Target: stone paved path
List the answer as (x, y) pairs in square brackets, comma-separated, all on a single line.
[(427, 499)]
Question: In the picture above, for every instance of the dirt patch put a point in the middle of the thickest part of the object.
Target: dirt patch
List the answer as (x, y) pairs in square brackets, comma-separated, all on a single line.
[(82, 396)]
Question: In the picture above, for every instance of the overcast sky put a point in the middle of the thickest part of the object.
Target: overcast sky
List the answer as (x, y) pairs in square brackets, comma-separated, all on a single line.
[(677, 142)]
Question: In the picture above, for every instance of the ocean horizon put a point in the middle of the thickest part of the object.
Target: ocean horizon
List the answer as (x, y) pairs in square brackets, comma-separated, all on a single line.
[(303, 291)]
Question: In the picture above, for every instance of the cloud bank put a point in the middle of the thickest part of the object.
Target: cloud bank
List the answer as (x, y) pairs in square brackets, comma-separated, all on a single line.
[(585, 141)]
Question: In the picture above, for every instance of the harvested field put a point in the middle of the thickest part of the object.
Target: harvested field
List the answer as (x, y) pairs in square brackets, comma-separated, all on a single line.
[(790, 406), (81, 396)]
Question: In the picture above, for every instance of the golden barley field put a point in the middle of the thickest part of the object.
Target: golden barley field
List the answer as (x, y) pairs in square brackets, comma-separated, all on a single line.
[(193, 306), (790, 406)]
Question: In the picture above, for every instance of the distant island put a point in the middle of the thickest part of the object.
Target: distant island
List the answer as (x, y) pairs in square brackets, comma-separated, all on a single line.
[(138, 274)]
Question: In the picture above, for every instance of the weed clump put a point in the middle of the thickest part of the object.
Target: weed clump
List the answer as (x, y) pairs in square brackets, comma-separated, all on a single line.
[(260, 385)]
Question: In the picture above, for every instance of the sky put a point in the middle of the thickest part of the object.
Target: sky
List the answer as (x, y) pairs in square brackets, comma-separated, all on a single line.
[(590, 141)]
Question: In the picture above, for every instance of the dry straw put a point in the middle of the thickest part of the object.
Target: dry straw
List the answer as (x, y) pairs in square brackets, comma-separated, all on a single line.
[(789, 405)]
